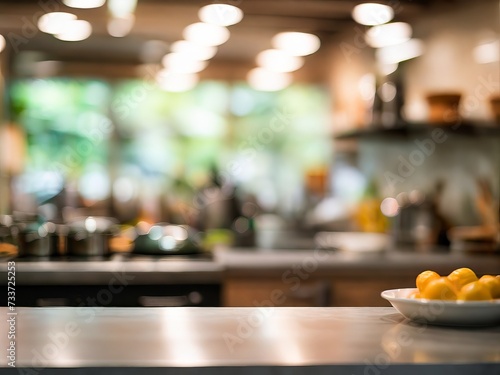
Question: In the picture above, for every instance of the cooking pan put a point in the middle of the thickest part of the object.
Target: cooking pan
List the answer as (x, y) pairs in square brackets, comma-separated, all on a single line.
[(90, 236)]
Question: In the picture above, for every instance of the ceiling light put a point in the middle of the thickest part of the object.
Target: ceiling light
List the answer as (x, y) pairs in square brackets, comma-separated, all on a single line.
[(220, 14), (265, 80), (486, 53), (387, 69), (120, 26), (2, 42), (55, 22), (175, 82), (121, 8), (388, 34), (193, 50), (400, 52), (182, 64), (279, 61), (75, 30), (371, 14), (206, 34), (297, 44), (84, 4)]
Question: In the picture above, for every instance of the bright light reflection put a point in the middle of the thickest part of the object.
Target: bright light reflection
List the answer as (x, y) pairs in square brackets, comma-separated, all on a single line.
[(176, 232), (121, 8), (387, 91), (290, 350), (179, 327), (279, 61), (386, 69), (2, 42), (265, 80), (155, 232), (124, 189), (180, 63), (388, 35), (371, 14), (220, 14), (55, 22), (75, 31), (400, 52), (206, 34), (486, 53), (95, 184), (84, 4), (366, 86), (90, 224), (389, 207), (193, 51), (296, 44), (120, 26), (168, 243)]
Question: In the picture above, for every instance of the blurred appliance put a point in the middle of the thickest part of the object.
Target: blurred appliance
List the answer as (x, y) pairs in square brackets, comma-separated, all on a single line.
[(167, 239)]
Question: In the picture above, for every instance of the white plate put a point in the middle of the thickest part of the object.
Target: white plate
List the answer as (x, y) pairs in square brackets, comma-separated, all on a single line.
[(454, 313)]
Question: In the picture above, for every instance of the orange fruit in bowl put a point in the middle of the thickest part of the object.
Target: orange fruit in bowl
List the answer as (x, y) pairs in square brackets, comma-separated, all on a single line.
[(425, 278), (441, 288), (493, 284), (461, 277), (475, 291)]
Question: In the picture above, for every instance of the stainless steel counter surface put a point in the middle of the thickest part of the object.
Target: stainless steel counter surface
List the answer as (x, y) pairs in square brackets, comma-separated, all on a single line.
[(216, 340)]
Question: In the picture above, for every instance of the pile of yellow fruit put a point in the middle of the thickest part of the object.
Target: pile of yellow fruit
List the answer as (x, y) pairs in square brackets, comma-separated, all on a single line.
[(462, 285)]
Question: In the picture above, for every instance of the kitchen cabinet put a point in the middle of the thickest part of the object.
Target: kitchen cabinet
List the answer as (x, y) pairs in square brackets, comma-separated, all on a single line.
[(319, 292), (254, 292), (331, 278)]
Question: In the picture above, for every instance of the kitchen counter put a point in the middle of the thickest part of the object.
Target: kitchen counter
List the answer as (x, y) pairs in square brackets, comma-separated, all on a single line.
[(244, 340), (329, 262), (241, 262), (137, 271)]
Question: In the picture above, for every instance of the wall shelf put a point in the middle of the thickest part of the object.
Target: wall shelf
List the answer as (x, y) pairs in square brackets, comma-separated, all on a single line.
[(412, 129)]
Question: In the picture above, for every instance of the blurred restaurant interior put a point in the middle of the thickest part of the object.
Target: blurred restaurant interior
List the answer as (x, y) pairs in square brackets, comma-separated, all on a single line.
[(379, 119)]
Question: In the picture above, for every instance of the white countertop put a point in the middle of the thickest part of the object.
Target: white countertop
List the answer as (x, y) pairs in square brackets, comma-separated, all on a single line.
[(350, 340)]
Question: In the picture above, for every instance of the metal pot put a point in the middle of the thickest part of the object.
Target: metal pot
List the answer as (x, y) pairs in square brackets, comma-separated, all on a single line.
[(5, 228), (7, 241), (39, 240), (90, 236)]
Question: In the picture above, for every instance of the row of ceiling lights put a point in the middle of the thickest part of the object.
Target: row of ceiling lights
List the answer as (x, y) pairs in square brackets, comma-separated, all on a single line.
[(275, 65), (65, 26), (190, 56), (393, 41), (201, 39)]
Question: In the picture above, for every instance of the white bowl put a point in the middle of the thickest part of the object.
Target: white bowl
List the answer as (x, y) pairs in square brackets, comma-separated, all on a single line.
[(358, 242), (454, 313)]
